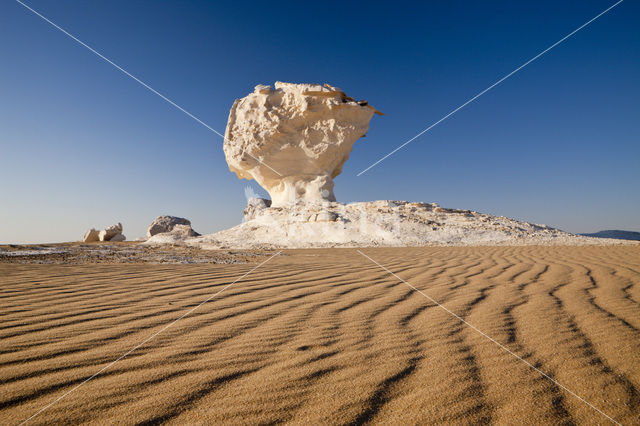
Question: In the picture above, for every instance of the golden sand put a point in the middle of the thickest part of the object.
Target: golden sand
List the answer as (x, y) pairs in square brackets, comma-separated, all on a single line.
[(327, 336)]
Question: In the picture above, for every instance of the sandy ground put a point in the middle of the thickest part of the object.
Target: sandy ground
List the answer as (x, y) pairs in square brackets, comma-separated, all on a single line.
[(327, 336)]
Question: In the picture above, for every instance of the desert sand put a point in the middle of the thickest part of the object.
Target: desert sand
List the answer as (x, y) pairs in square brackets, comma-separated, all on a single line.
[(326, 336)]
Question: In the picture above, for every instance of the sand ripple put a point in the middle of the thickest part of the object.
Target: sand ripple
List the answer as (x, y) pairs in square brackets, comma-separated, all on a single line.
[(326, 336)]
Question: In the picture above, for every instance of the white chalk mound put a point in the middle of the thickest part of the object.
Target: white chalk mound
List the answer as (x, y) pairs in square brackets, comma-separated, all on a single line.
[(375, 224), (294, 139)]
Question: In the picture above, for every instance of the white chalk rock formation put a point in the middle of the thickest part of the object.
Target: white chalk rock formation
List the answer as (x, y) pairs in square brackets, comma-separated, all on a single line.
[(294, 139), (110, 232), (165, 224), (90, 236), (375, 224), (177, 235)]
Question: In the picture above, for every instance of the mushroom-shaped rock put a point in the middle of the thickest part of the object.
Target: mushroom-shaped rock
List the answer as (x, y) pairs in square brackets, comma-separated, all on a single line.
[(110, 232), (294, 139), (90, 236), (163, 224)]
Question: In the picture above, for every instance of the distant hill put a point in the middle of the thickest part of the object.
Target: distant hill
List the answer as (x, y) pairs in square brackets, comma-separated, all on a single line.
[(617, 234)]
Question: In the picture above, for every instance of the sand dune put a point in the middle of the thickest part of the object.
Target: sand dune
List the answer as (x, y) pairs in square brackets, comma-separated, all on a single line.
[(327, 336)]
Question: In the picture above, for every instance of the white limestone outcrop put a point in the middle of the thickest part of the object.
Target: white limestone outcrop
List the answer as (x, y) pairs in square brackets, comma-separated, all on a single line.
[(112, 233), (375, 224), (294, 139), (165, 224), (90, 236)]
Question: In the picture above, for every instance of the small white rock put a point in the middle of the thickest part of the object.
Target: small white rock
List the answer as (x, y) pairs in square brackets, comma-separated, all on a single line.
[(90, 236), (110, 232), (163, 224)]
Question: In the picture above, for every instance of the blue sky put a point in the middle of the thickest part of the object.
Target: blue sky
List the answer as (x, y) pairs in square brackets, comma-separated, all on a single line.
[(82, 145)]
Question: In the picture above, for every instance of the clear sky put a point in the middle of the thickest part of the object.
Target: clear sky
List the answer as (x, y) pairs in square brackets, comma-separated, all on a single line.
[(82, 145)]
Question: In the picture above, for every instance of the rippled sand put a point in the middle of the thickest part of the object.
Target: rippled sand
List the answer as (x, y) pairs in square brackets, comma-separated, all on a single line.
[(327, 336)]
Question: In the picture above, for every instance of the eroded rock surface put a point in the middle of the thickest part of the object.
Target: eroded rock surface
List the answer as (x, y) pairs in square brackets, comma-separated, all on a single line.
[(375, 224), (110, 232), (293, 139), (184, 231), (255, 206), (165, 224), (90, 236)]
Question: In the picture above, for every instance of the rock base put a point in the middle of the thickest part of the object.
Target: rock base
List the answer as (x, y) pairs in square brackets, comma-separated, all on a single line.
[(375, 224)]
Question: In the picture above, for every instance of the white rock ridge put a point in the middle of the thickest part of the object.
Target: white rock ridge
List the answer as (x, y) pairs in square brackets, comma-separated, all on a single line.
[(294, 139), (374, 224)]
